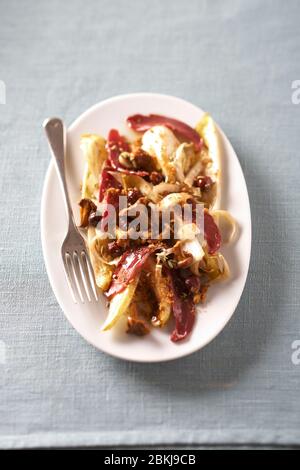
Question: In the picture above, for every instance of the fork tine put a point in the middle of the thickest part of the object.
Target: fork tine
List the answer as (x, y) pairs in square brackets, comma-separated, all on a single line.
[(78, 276), (85, 276), (69, 274), (87, 262)]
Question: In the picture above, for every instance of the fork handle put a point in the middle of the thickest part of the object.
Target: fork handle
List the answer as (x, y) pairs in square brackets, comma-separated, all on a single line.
[(56, 135)]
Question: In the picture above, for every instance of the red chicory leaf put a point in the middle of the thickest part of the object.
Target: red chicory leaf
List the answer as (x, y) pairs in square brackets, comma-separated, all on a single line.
[(128, 267), (142, 123), (111, 206), (212, 234)]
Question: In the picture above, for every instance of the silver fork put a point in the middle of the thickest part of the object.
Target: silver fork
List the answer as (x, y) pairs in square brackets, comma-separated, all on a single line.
[(77, 264)]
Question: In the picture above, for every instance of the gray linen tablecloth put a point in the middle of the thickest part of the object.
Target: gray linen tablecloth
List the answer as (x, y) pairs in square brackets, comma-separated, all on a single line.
[(237, 59)]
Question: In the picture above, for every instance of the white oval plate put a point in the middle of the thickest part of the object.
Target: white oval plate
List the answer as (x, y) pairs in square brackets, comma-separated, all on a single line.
[(222, 298)]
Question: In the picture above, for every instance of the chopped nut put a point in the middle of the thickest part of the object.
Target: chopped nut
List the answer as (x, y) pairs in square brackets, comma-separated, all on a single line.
[(197, 298), (115, 249), (156, 321), (142, 160), (203, 182), (133, 195), (156, 177)]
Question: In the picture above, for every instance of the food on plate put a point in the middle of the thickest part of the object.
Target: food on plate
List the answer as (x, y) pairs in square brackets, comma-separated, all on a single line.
[(149, 207)]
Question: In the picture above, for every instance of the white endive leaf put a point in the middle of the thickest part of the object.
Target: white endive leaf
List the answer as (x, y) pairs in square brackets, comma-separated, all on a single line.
[(119, 304), (93, 148)]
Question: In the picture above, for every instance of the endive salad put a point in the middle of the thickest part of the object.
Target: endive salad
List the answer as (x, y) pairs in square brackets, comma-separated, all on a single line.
[(154, 278)]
